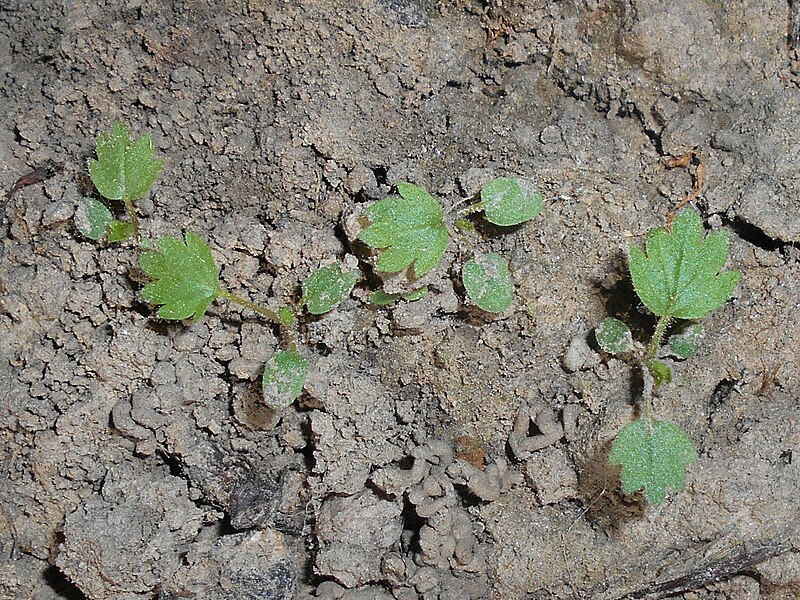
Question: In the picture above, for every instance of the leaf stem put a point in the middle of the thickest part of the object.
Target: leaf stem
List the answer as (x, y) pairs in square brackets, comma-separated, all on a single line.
[(287, 322), (262, 310), (647, 376), (131, 214), (647, 394), (655, 341)]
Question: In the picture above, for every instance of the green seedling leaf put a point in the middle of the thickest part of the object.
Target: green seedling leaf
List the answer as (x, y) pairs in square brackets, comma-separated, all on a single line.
[(381, 298), (92, 218), (465, 224), (409, 230), (614, 336), (510, 200), (283, 380), (488, 282), (661, 373), (119, 230), (286, 316), (653, 456), (124, 169), (185, 277), (685, 344), (680, 274), (327, 287), (415, 295)]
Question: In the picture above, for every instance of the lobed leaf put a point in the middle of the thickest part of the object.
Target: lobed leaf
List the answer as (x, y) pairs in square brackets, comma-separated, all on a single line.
[(488, 282), (409, 230), (283, 380), (185, 277), (679, 276), (510, 200), (614, 336), (124, 169), (653, 455), (327, 287)]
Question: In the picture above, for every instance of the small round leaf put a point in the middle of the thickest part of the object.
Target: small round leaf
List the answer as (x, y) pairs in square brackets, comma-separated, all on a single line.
[(327, 287), (92, 218), (511, 200), (488, 282), (119, 230), (283, 380), (613, 336), (685, 343)]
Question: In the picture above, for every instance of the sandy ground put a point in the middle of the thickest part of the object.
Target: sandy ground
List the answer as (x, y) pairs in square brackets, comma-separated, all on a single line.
[(137, 458)]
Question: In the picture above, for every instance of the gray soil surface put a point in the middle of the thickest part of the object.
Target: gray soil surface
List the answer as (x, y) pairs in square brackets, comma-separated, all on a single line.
[(436, 453)]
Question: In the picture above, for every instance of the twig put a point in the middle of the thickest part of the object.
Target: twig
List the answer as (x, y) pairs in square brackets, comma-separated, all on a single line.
[(699, 177)]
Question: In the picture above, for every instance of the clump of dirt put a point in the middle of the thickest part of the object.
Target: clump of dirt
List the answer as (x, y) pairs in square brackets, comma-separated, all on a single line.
[(436, 452)]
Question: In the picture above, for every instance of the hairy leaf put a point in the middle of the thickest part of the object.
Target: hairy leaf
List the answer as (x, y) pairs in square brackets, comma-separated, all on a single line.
[(124, 169), (510, 200), (684, 344), (613, 336), (409, 230), (92, 218), (283, 380), (680, 274), (653, 455), (660, 371), (327, 287), (185, 277), (119, 230), (488, 282)]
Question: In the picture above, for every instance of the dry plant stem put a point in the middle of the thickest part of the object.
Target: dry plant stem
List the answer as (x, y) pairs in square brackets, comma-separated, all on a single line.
[(262, 310), (131, 214), (704, 574), (699, 178)]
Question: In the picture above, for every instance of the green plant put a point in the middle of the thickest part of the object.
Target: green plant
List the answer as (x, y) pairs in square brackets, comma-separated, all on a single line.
[(409, 230), (124, 170), (185, 281), (184, 278), (412, 232), (678, 276)]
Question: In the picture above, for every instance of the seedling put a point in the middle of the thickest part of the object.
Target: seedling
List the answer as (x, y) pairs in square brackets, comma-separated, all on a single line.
[(185, 281), (678, 276), (411, 232), (184, 276), (124, 170)]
